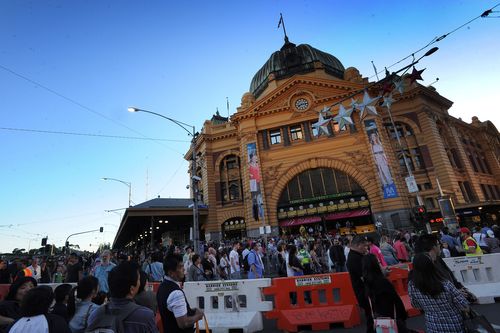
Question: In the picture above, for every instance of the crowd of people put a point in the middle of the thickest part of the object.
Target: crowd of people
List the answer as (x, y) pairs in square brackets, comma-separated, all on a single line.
[(110, 289)]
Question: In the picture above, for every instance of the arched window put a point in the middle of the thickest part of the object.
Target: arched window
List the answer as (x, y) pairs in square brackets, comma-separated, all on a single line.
[(402, 129), (320, 183), (230, 179), (412, 153)]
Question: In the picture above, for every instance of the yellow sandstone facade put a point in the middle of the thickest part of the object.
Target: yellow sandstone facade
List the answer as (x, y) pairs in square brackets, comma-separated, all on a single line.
[(332, 180)]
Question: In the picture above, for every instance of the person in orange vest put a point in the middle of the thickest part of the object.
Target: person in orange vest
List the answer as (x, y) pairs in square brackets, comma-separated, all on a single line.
[(471, 247), (24, 270)]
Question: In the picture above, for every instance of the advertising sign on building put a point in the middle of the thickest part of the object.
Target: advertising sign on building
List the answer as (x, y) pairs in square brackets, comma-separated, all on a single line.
[(384, 173), (255, 181), (411, 183)]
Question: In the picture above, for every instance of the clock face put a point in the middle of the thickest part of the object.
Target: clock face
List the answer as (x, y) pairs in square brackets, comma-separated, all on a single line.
[(301, 104)]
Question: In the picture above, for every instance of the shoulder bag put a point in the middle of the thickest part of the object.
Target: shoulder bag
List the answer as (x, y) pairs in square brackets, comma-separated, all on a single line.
[(384, 324)]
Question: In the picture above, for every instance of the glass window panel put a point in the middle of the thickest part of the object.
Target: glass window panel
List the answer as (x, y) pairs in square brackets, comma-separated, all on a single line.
[(224, 192), (232, 162), (342, 182), (314, 131), (305, 185), (234, 190), (293, 189), (317, 182), (429, 203), (296, 132), (284, 196), (329, 181), (275, 136), (354, 185)]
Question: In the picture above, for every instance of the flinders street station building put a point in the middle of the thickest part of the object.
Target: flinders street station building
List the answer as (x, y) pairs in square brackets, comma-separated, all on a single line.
[(318, 145), (274, 167)]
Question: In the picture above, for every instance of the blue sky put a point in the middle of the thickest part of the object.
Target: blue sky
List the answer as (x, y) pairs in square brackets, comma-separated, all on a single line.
[(75, 66)]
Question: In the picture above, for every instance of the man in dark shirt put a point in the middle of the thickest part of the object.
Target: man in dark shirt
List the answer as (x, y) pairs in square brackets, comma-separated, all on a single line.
[(359, 248), (337, 256), (4, 273), (176, 314), (74, 271)]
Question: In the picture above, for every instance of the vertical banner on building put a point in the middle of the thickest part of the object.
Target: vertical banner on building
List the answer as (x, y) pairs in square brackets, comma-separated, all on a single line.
[(255, 181), (384, 173)]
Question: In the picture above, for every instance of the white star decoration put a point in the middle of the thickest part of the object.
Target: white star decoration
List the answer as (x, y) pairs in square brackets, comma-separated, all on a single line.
[(367, 105), (388, 100), (344, 117), (354, 104), (399, 86), (322, 125), (326, 111)]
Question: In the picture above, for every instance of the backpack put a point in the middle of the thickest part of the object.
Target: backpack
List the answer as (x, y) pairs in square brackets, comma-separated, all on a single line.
[(246, 266), (108, 320)]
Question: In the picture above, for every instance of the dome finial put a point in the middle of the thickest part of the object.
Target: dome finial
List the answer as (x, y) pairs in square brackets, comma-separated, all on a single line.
[(282, 22)]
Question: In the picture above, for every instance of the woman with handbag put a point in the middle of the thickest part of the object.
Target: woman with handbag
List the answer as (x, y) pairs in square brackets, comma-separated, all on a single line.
[(384, 300), (442, 303)]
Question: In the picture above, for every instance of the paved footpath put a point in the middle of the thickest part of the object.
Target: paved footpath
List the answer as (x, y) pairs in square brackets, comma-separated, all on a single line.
[(490, 311)]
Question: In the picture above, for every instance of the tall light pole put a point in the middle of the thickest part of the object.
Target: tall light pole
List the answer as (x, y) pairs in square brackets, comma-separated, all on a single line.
[(128, 184), (190, 129)]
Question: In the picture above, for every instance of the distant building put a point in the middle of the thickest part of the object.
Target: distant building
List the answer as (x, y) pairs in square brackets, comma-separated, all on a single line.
[(266, 165)]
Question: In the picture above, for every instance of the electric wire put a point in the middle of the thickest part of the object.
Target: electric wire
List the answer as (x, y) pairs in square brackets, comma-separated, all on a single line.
[(82, 106), (436, 39), (89, 134)]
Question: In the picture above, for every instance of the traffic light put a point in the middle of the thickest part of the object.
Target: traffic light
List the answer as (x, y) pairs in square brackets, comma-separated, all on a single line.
[(101, 229), (420, 213), (44, 241)]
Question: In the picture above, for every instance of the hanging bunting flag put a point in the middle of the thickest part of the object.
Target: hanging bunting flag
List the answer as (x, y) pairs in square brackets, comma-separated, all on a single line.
[(354, 104), (387, 87), (321, 125), (399, 86), (367, 105), (344, 117), (326, 111), (416, 75), (388, 100)]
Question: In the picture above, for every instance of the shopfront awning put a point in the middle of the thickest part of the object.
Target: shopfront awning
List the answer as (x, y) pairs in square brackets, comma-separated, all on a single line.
[(300, 220), (329, 217), (347, 214)]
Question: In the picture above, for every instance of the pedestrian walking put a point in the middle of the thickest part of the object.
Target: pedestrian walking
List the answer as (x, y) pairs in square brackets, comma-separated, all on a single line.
[(359, 248), (255, 264), (383, 297), (442, 303), (234, 262)]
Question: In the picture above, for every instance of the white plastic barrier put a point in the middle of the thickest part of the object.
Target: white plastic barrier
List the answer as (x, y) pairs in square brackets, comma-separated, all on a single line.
[(232, 304), (480, 274), (55, 285)]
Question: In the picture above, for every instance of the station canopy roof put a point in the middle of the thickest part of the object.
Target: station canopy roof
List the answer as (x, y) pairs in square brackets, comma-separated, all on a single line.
[(138, 218)]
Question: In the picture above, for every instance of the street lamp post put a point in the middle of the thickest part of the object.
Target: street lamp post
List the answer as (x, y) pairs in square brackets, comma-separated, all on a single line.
[(190, 129), (128, 184)]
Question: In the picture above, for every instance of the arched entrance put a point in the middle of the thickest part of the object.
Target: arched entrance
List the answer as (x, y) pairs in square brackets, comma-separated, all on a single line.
[(234, 228), (324, 199)]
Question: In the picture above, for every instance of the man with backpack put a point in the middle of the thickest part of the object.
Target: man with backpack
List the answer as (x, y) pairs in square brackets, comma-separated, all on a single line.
[(176, 314), (122, 314)]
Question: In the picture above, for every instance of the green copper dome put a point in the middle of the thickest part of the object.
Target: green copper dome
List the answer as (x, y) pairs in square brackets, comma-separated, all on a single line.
[(291, 60)]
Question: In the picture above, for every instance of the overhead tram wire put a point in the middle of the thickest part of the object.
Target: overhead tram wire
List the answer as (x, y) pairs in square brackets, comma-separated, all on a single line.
[(436, 39), (414, 62), (50, 220), (89, 134), (52, 91)]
